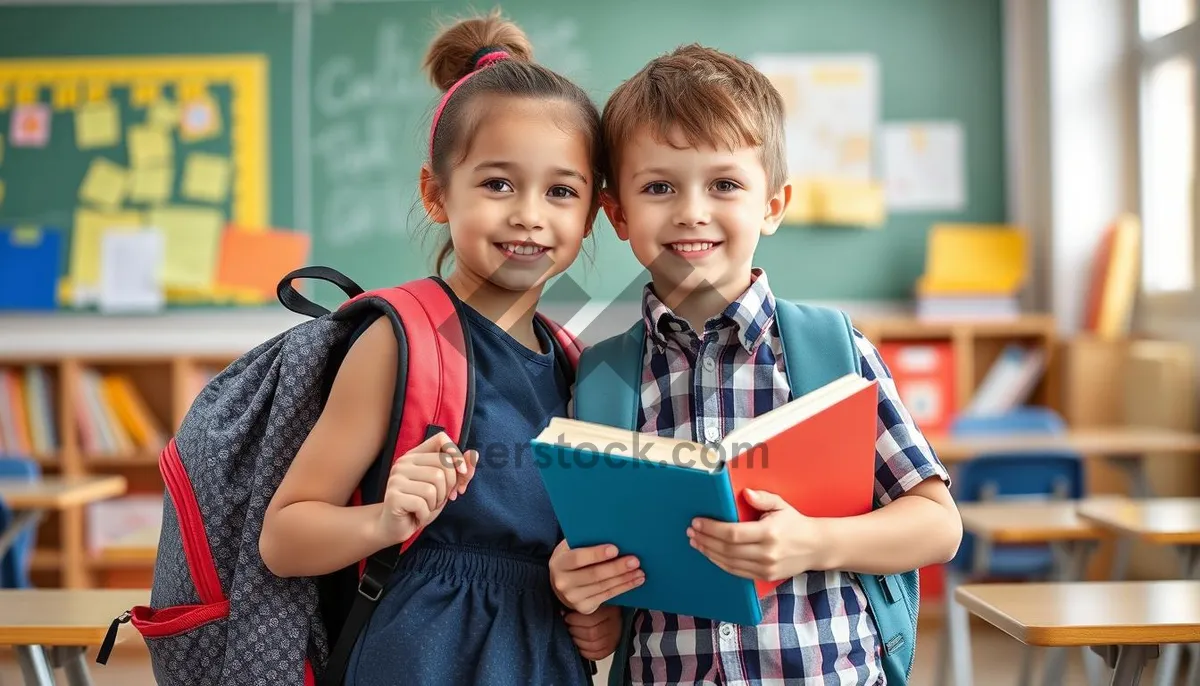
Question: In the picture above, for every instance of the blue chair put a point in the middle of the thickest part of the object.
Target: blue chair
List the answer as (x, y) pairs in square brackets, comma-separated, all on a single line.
[(14, 564), (1003, 476)]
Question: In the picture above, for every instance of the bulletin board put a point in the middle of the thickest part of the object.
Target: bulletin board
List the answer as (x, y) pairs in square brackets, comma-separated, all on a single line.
[(119, 143)]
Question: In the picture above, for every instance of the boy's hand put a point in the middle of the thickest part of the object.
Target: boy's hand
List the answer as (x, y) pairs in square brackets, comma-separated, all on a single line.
[(780, 545), (584, 578), (595, 635)]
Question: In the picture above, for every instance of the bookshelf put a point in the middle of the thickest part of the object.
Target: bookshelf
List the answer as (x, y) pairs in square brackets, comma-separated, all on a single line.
[(168, 382), (164, 385)]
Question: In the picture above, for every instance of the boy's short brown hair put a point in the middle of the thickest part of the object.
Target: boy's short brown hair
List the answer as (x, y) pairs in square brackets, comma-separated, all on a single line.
[(710, 97)]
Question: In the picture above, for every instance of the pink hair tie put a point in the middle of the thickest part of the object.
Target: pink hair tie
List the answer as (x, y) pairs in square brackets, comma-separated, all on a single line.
[(486, 60)]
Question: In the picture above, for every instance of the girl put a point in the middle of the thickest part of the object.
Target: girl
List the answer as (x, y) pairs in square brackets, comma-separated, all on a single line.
[(512, 173)]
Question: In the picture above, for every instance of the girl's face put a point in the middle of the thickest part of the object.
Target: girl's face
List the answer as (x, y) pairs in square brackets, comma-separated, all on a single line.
[(519, 203)]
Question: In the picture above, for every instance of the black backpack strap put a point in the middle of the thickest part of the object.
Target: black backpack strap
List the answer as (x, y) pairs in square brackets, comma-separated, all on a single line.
[(455, 364), (291, 298)]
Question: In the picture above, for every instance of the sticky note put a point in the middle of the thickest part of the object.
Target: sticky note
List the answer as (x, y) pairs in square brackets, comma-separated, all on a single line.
[(151, 185), (193, 238), (29, 125), (150, 147), (86, 238), (206, 177), (163, 114), (105, 185), (97, 125)]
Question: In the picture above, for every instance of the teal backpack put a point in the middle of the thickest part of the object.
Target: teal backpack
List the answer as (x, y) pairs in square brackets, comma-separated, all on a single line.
[(818, 347)]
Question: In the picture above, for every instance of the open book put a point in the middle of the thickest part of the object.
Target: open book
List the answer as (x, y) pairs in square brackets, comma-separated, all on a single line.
[(640, 491)]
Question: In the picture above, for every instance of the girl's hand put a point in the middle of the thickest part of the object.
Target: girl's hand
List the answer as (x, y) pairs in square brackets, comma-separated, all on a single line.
[(596, 635), (421, 482), (586, 577)]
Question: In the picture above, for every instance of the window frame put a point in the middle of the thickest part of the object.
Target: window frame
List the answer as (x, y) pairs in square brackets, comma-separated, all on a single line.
[(1148, 54)]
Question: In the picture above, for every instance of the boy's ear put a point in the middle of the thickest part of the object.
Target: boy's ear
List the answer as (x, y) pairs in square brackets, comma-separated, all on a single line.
[(431, 196), (616, 217), (776, 207)]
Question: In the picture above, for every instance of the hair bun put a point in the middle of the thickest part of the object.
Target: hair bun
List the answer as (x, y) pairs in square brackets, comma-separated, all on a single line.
[(458, 48)]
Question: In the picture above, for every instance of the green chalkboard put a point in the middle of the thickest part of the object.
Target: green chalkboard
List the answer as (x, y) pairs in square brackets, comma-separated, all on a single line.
[(345, 166)]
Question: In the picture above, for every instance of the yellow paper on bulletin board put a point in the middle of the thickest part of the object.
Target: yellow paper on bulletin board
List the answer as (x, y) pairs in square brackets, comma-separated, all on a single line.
[(193, 239), (105, 184), (86, 239), (97, 125)]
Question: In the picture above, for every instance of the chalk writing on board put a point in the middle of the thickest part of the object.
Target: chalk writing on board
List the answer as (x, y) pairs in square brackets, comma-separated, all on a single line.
[(364, 140)]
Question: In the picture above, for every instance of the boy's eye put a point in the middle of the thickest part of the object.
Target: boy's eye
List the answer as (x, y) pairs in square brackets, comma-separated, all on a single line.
[(497, 185), (657, 188), (563, 192), (725, 186)]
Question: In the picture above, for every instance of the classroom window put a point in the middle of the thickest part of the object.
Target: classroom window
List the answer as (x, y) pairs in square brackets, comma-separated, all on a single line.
[(1169, 156), (1160, 17), (1168, 146)]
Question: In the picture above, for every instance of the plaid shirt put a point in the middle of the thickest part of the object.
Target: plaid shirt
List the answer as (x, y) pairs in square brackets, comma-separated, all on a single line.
[(816, 627)]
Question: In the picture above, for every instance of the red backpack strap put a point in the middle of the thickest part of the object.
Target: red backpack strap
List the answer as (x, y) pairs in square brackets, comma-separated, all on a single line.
[(571, 346), (434, 392)]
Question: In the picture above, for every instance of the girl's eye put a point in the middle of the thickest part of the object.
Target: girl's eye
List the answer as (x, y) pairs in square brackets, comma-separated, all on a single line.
[(497, 185), (725, 186), (657, 188), (563, 192)]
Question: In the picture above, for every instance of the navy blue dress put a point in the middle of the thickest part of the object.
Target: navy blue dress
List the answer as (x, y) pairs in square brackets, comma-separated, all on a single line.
[(470, 602)]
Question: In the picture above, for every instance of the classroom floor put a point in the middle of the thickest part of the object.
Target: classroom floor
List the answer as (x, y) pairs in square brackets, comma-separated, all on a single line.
[(996, 659)]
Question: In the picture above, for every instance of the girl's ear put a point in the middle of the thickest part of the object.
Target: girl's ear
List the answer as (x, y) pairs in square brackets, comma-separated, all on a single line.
[(616, 217), (431, 196), (776, 207)]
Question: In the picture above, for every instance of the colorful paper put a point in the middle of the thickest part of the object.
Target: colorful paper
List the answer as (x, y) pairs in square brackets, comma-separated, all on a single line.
[(200, 119), (86, 238), (30, 125), (253, 261), (206, 177), (150, 147), (97, 125), (193, 237), (151, 185), (105, 185)]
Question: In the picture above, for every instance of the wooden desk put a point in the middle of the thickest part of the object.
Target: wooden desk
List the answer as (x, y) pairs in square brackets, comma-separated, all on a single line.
[(1016, 522), (138, 547), (1127, 615), (66, 621), (1109, 442), (1163, 521), (68, 495)]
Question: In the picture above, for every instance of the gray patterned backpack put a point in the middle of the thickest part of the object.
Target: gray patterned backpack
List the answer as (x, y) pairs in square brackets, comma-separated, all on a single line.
[(217, 615)]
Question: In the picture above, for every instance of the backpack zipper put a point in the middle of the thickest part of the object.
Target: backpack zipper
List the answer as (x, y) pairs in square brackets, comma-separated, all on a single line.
[(191, 526)]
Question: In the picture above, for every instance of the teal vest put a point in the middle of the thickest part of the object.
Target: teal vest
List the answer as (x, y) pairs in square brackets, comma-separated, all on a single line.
[(818, 347)]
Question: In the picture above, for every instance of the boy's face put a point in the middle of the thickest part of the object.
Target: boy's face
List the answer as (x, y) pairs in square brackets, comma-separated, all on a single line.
[(693, 216)]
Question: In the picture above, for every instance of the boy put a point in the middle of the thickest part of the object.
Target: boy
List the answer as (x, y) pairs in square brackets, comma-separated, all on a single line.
[(696, 174)]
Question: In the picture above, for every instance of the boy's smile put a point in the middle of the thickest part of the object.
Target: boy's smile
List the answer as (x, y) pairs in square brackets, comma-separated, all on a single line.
[(693, 215)]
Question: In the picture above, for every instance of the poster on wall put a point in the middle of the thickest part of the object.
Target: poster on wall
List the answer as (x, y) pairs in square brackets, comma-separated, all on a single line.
[(924, 167), (832, 108)]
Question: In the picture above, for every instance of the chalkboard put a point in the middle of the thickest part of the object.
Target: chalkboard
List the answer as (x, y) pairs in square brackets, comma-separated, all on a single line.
[(349, 110)]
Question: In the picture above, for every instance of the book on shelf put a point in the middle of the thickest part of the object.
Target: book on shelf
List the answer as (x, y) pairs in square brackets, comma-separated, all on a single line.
[(640, 492), (113, 417), (27, 423), (1009, 382)]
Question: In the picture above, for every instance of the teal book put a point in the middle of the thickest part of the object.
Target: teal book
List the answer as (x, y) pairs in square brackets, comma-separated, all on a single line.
[(640, 492)]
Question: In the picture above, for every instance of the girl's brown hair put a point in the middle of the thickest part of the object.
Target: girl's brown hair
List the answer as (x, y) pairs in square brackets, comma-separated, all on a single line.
[(456, 52)]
